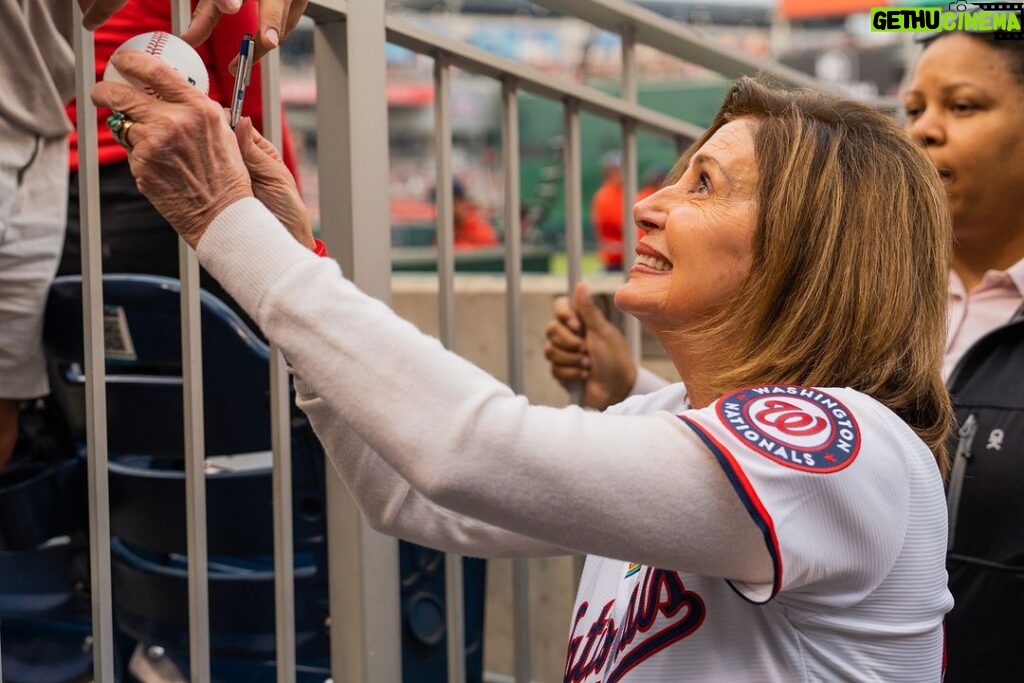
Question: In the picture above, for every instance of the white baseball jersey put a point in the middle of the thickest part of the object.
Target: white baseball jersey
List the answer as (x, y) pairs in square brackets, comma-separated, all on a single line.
[(850, 504)]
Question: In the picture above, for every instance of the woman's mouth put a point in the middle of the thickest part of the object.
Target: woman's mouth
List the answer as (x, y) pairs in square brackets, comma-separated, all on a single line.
[(653, 262), (946, 175)]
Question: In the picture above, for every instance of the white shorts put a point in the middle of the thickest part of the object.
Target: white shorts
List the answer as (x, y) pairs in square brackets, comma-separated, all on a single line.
[(33, 213)]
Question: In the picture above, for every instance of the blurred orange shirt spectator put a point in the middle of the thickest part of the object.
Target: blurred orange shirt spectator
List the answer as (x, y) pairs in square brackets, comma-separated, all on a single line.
[(472, 231), (606, 211)]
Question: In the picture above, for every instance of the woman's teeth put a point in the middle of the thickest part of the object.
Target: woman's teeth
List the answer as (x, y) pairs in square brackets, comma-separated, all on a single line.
[(652, 262)]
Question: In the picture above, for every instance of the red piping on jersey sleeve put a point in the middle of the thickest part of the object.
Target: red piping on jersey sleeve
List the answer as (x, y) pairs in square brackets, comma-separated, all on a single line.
[(750, 499)]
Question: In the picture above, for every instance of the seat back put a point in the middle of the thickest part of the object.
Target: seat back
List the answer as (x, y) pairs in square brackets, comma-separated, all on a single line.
[(39, 501), (147, 505), (141, 323), (42, 519), (146, 469), (151, 603), (47, 650)]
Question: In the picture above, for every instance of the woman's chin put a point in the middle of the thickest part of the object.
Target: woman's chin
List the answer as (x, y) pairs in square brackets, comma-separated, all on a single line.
[(630, 300)]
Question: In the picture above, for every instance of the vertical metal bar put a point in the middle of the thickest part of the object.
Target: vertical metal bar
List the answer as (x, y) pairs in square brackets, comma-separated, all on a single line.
[(195, 448), (95, 370), (195, 475), (629, 191), (574, 231), (284, 563), (445, 219), (280, 432), (629, 176), (573, 194), (629, 82), (513, 233), (352, 118), (514, 329), (444, 196)]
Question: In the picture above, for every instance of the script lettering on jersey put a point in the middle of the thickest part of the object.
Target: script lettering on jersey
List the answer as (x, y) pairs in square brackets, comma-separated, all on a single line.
[(660, 612)]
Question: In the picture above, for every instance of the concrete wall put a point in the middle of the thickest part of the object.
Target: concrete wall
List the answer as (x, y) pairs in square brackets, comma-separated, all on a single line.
[(481, 337)]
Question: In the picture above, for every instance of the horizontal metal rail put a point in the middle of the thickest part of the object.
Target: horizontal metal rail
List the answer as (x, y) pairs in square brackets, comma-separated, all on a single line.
[(469, 58), (677, 39), (322, 11)]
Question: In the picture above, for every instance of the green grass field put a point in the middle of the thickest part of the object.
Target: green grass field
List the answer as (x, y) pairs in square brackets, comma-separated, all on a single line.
[(591, 264)]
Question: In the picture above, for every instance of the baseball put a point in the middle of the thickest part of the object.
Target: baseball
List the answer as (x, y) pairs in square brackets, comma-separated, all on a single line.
[(169, 48)]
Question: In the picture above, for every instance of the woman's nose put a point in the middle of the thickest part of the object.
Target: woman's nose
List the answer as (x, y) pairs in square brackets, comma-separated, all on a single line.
[(927, 130), (648, 214)]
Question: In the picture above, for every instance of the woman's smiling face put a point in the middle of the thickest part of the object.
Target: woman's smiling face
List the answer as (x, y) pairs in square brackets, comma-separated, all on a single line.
[(698, 234)]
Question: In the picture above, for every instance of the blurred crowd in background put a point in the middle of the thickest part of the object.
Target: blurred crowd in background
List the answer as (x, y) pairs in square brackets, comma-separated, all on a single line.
[(830, 40)]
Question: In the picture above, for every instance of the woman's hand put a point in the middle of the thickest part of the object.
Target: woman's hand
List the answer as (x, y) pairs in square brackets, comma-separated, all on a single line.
[(182, 152), (272, 182)]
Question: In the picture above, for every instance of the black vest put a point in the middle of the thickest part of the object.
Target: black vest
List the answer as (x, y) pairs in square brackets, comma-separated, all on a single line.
[(985, 630)]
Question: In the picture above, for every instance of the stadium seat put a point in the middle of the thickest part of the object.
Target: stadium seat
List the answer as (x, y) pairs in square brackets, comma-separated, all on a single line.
[(44, 611), (141, 322), (147, 492), (424, 632), (146, 470)]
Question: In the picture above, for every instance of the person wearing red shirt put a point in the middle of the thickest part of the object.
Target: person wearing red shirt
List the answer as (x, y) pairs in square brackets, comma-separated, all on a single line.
[(135, 237), (606, 211), (472, 231)]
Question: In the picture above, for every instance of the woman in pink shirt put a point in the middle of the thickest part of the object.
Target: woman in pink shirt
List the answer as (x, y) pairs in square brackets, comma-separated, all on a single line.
[(965, 104)]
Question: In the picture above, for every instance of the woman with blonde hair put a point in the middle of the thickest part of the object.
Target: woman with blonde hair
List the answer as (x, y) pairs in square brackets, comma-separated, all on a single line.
[(780, 519), (964, 104)]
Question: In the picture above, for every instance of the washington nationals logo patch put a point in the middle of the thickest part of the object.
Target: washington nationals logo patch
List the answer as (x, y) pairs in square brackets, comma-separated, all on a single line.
[(798, 427)]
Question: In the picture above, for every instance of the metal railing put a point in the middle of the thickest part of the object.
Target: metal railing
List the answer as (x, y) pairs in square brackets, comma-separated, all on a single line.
[(350, 66)]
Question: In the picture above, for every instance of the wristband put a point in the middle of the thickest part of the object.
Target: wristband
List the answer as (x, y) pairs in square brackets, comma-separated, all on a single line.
[(320, 249)]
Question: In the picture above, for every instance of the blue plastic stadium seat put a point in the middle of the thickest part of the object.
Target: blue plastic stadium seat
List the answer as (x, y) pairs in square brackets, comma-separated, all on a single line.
[(144, 408), (43, 572), (146, 470), (143, 348), (151, 603)]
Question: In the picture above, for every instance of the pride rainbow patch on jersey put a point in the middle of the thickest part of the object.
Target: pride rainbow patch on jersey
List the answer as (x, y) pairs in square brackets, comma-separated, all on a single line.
[(634, 567), (798, 427)]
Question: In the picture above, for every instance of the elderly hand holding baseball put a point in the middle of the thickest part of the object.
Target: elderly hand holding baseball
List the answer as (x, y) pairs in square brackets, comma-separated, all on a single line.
[(188, 161), (181, 150)]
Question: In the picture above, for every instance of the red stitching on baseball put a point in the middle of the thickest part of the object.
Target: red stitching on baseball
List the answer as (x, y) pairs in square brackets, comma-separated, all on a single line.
[(156, 43)]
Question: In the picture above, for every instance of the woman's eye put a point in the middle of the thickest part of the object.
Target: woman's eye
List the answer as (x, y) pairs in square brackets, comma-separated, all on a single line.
[(703, 183), (912, 111), (962, 107)]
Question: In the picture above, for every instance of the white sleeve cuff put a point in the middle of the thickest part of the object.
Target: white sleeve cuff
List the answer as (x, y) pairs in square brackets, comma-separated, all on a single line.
[(247, 249)]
